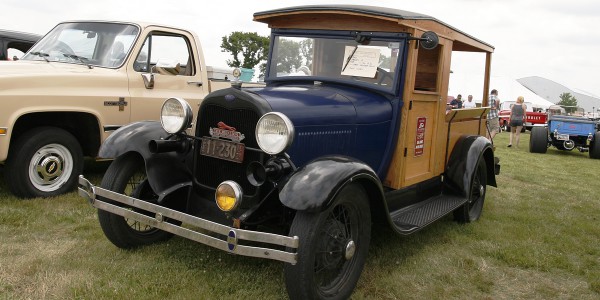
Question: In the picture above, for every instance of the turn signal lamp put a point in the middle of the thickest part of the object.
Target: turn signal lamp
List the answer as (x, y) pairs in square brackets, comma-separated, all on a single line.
[(228, 195)]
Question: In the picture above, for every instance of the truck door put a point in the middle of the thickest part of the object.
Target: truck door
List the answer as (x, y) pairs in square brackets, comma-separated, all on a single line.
[(185, 81)]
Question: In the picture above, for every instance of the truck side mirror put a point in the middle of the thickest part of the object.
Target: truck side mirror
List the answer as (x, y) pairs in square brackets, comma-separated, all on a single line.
[(429, 40)]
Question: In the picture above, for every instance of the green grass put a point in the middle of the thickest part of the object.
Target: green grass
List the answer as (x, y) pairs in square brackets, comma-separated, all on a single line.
[(538, 238)]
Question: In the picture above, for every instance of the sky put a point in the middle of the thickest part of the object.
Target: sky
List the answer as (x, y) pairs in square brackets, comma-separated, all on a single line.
[(554, 39)]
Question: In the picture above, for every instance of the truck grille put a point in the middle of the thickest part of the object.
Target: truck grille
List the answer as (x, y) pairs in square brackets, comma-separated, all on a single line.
[(212, 171)]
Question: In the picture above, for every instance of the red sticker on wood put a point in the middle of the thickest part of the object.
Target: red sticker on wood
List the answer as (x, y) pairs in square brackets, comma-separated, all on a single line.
[(420, 137)]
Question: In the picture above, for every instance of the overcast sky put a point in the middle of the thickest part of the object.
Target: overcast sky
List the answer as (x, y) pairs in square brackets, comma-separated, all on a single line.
[(555, 39)]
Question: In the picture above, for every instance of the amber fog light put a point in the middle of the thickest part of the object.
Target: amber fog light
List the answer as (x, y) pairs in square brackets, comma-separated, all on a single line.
[(228, 195)]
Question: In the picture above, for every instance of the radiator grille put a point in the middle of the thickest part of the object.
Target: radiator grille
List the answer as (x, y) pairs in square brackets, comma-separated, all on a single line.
[(212, 171)]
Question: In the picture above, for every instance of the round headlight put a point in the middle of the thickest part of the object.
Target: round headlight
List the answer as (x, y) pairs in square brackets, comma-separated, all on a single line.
[(228, 195), (175, 115), (274, 133)]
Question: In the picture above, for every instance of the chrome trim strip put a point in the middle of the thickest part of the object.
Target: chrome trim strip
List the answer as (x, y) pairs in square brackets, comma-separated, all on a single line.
[(91, 193)]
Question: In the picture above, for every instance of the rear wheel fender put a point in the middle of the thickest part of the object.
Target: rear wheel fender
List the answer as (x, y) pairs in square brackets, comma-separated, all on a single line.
[(464, 160)]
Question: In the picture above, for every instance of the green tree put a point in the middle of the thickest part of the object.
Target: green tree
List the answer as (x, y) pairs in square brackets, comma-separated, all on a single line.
[(289, 57), (567, 100), (252, 47)]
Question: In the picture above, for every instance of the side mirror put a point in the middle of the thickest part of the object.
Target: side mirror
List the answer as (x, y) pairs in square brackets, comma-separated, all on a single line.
[(429, 40), (148, 80)]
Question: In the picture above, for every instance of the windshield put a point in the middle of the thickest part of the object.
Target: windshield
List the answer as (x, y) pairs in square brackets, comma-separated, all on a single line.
[(96, 44), (370, 63)]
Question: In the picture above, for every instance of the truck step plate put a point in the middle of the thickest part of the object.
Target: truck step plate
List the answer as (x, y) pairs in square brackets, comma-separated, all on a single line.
[(415, 217)]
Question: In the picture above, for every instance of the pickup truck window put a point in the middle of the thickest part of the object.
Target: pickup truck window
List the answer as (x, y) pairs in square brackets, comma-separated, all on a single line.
[(174, 49), (93, 43), (370, 62)]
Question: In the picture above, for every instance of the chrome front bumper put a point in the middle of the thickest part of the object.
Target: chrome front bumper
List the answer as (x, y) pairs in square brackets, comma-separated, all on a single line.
[(230, 236)]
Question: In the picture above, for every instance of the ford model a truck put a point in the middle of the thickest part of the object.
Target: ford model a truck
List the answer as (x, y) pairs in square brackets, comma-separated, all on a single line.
[(350, 129), (79, 84), (566, 133)]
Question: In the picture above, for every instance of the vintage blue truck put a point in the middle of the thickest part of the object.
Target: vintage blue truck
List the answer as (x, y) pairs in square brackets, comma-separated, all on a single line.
[(351, 129), (566, 133)]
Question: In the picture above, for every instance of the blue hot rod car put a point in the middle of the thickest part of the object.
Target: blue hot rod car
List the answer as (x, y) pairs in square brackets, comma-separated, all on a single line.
[(351, 129), (566, 133)]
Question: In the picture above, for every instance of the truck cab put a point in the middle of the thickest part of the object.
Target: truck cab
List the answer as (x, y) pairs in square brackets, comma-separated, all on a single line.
[(351, 129), (82, 81)]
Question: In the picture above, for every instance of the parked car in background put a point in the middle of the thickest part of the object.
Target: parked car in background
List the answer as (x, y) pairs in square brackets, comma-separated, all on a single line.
[(81, 82), (566, 133), (352, 131), (14, 44), (535, 116)]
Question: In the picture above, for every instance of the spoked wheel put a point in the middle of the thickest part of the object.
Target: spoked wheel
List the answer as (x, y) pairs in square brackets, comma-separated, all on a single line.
[(333, 248), (127, 175), (471, 211)]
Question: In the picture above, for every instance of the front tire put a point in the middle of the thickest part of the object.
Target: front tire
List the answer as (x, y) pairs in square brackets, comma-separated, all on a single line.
[(595, 146), (471, 211), (127, 175), (538, 142), (43, 162), (333, 247)]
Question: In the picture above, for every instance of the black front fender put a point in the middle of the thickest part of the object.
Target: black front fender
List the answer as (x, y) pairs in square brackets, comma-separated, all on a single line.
[(464, 158), (314, 186), (167, 172)]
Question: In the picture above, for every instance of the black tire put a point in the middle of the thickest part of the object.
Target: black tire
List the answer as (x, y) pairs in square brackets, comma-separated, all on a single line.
[(538, 140), (127, 175), (471, 210), (43, 162), (323, 270), (595, 146)]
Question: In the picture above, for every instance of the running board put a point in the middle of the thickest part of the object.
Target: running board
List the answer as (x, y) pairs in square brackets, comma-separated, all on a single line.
[(413, 218)]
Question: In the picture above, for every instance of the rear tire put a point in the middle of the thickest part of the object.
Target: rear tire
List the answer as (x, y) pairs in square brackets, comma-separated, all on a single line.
[(538, 142), (43, 162), (595, 146), (127, 175), (471, 211), (333, 248)]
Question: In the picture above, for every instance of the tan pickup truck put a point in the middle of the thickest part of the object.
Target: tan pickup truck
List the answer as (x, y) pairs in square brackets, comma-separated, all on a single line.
[(80, 83)]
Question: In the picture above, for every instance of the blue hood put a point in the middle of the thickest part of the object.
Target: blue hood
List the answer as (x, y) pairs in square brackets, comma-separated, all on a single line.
[(309, 105), (333, 120)]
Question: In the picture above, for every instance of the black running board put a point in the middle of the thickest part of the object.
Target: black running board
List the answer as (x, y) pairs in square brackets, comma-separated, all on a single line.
[(413, 218)]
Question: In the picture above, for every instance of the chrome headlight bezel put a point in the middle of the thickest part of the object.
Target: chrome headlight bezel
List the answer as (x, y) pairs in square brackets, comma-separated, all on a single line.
[(175, 115), (269, 138), (238, 195)]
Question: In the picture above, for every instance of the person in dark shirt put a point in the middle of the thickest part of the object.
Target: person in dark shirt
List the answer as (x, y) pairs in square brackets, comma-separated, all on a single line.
[(457, 102)]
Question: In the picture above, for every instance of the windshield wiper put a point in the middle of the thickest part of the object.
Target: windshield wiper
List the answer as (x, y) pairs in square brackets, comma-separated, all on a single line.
[(42, 55), (349, 58), (82, 59)]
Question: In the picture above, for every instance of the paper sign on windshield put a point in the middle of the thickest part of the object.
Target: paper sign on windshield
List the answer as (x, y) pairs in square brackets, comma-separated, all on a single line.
[(361, 61)]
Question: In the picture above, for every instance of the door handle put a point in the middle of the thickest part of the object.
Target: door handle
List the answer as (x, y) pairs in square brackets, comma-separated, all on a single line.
[(197, 83)]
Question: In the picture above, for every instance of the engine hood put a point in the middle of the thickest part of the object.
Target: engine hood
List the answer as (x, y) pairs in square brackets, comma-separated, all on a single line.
[(321, 104), (27, 67), (23, 77)]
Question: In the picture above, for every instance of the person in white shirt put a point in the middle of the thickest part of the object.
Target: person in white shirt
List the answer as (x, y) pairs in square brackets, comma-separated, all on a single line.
[(469, 103)]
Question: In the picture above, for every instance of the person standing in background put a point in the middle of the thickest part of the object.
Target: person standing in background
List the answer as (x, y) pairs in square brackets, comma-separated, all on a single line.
[(518, 113), (457, 103), (469, 103), (492, 117)]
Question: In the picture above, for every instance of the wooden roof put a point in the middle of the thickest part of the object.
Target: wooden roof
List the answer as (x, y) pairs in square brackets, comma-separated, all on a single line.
[(361, 17)]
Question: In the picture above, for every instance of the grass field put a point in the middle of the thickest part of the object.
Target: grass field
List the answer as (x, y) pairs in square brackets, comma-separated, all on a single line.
[(538, 238)]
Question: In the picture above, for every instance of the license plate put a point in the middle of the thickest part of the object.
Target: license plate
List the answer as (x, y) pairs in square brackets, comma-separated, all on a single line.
[(222, 149), (562, 137)]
